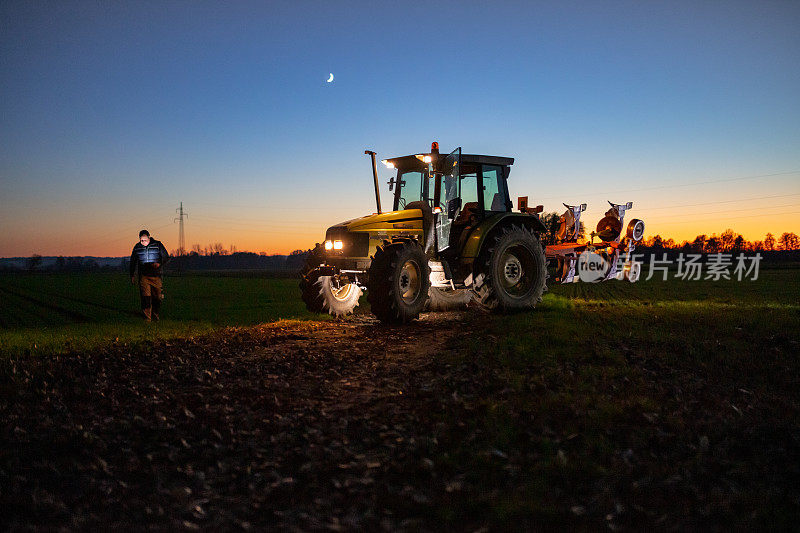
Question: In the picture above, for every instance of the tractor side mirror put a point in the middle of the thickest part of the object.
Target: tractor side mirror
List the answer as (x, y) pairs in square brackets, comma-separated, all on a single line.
[(452, 207)]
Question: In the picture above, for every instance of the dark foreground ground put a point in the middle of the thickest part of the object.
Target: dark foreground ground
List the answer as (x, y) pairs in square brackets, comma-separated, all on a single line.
[(609, 407)]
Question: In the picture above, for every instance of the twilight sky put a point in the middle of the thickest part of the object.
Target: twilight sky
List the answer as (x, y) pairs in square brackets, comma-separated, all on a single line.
[(111, 113)]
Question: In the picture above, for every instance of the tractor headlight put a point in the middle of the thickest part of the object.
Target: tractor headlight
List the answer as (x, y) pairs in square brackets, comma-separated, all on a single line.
[(334, 245)]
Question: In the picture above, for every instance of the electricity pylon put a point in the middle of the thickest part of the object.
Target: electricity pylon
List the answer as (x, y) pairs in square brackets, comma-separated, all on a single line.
[(181, 235)]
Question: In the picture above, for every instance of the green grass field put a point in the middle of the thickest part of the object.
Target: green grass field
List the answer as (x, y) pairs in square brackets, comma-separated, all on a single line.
[(58, 312), (61, 312)]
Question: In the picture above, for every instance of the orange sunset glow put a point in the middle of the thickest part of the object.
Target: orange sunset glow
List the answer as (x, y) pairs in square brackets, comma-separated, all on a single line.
[(107, 132), (750, 205)]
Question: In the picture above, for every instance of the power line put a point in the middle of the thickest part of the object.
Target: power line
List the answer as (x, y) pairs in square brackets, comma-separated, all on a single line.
[(130, 221), (727, 218), (152, 231), (298, 207), (255, 230), (254, 223), (722, 180), (722, 201), (732, 211)]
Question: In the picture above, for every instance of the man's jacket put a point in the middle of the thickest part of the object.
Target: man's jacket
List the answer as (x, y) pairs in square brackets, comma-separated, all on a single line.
[(145, 257)]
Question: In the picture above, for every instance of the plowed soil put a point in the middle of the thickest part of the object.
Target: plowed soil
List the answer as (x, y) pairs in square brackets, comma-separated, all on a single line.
[(350, 424), (309, 424)]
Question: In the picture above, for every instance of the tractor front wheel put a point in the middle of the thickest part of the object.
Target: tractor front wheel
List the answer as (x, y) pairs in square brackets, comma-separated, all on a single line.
[(329, 294), (338, 298), (399, 279), (512, 272)]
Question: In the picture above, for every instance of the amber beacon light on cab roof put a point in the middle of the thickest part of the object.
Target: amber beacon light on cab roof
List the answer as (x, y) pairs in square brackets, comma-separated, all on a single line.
[(453, 239)]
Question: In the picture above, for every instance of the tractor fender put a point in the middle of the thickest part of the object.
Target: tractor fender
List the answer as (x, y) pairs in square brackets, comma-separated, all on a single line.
[(478, 236)]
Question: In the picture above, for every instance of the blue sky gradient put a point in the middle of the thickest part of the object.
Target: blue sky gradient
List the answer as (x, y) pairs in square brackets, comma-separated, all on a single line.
[(112, 113)]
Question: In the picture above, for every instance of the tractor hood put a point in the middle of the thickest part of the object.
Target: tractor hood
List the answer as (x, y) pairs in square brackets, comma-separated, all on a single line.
[(393, 218), (405, 219), (360, 236)]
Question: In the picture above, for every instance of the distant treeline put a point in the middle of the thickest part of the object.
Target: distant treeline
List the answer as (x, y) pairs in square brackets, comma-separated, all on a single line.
[(181, 263), (727, 242), (38, 263), (783, 250), (238, 261)]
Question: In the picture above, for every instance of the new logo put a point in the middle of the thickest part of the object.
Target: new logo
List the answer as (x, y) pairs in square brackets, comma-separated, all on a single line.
[(591, 267)]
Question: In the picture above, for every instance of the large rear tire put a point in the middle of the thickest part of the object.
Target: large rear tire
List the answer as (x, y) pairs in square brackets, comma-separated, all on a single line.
[(399, 279), (512, 272)]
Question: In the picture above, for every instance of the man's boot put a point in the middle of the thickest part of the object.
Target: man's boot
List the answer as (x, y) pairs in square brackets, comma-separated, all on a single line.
[(146, 308), (156, 301)]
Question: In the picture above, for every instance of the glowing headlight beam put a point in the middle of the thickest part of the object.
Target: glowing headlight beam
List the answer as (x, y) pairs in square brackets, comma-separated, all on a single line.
[(329, 245), (338, 245)]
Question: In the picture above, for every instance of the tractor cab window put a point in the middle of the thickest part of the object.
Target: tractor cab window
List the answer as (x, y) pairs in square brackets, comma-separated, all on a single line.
[(494, 191), (410, 188), (469, 190)]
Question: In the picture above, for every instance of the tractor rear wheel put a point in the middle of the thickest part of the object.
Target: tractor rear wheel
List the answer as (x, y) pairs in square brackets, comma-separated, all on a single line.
[(399, 279), (512, 272)]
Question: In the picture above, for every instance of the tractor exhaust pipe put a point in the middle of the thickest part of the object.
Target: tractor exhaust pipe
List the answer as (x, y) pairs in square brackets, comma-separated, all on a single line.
[(375, 176)]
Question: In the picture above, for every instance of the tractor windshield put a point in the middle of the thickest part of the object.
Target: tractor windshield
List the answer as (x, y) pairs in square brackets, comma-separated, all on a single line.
[(410, 184)]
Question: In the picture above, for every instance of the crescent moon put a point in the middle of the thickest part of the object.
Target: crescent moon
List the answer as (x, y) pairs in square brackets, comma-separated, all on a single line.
[(331, 78)]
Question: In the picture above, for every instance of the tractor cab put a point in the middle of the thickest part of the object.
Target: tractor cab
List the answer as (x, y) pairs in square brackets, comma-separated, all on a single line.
[(456, 192)]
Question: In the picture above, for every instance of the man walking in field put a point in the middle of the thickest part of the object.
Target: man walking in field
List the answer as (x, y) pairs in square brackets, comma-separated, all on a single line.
[(149, 255)]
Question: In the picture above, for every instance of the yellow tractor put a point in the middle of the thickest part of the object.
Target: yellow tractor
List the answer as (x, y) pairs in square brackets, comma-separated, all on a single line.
[(450, 239)]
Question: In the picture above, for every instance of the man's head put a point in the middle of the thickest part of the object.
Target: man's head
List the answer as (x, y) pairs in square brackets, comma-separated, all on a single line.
[(144, 237)]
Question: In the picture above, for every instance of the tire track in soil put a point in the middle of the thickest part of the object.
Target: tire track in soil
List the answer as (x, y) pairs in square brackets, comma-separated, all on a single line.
[(395, 352)]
